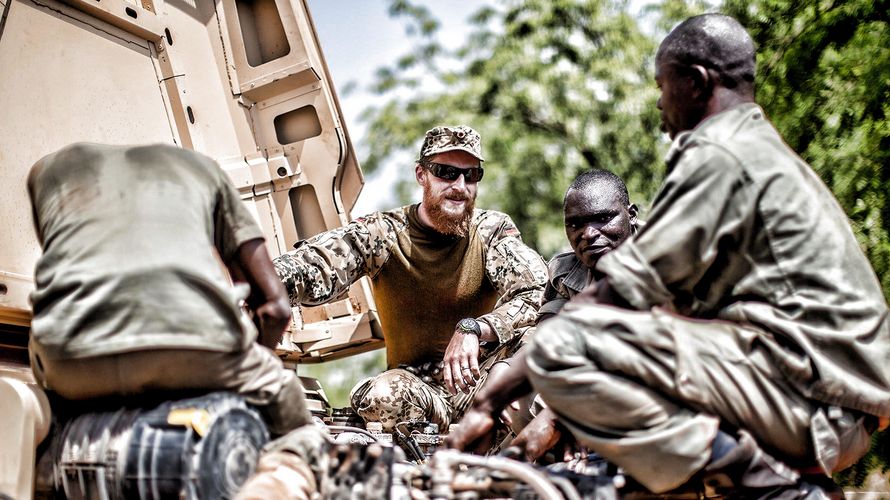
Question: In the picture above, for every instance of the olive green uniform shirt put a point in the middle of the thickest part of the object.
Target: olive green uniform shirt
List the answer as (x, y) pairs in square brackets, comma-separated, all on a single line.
[(744, 231), (567, 276), (130, 237), (490, 275)]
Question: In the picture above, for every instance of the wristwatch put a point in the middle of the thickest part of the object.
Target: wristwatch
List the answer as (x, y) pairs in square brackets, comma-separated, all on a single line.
[(469, 326)]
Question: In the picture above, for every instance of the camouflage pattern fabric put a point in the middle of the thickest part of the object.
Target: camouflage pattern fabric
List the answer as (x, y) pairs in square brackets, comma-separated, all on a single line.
[(399, 395), (418, 394), (454, 138), (323, 267)]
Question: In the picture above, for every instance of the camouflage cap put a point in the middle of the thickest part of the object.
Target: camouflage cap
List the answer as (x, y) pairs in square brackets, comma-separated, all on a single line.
[(442, 139)]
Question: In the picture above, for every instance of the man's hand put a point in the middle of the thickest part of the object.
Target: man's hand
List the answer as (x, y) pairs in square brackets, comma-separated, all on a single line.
[(475, 432), (461, 362), (267, 298), (273, 316), (539, 436)]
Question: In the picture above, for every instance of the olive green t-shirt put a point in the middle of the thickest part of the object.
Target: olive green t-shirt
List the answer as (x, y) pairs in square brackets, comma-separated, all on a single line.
[(129, 238)]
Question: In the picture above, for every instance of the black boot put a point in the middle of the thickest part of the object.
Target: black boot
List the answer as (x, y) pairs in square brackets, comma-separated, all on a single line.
[(741, 469)]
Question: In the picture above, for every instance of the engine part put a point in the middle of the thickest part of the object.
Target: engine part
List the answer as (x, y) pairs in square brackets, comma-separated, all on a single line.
[(198, 448)]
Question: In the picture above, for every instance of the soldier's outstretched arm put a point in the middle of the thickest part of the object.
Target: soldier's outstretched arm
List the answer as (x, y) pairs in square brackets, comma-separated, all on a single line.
[(323, 267)]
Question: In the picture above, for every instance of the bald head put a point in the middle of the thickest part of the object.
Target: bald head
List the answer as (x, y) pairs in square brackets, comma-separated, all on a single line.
[(599, 181), (716, 42)]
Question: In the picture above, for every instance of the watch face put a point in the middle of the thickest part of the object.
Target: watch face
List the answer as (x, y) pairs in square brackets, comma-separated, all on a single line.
[(469, 325)]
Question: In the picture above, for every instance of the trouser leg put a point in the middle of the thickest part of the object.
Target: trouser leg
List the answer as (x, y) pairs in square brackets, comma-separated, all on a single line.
[(256, 373), (648, 390), (398, 395)]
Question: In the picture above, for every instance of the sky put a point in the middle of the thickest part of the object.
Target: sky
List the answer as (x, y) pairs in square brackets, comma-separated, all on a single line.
[(357, 37)]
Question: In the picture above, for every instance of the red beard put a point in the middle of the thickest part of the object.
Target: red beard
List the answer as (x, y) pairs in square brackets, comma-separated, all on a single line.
[(444, 221)]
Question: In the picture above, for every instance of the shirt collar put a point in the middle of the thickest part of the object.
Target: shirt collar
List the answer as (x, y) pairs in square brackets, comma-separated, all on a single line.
[(709, 127)]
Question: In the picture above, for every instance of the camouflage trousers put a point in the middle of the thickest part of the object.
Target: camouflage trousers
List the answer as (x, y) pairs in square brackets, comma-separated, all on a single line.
[(418, 394)]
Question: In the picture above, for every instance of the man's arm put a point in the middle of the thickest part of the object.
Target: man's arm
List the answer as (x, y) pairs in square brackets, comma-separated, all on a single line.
[(323, 267), (267, 297), (706, 205), (499, 391), (519, 276)]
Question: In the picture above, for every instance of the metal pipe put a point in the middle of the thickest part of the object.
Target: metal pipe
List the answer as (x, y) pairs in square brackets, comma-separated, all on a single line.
[(358, 430), (537, 481)]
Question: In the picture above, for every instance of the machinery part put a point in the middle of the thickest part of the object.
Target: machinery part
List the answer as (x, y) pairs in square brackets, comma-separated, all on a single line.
[(445, 460), (199, 448), (359, 472)]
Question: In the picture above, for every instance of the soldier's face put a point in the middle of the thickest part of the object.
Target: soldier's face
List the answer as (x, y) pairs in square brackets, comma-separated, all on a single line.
[(596, 221), (449, 203), (682, 105)]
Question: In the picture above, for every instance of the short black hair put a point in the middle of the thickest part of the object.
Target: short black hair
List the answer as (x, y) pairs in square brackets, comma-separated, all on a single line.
[(588, 177), (717, 42)]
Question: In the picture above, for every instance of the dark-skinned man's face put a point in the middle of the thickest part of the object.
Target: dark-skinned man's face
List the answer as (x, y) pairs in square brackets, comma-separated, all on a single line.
[(682, 106), (596, 221)]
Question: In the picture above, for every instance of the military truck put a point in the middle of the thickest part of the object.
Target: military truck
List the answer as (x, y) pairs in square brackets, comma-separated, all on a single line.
[(243, 81)]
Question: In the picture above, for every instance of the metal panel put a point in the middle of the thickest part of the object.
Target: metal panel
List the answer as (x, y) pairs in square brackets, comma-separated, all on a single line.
[(94, 82)]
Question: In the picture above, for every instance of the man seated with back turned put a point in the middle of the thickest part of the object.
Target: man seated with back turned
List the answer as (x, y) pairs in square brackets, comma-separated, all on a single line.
[(598, 217), (445, 277), (741, 332), (130, 297)]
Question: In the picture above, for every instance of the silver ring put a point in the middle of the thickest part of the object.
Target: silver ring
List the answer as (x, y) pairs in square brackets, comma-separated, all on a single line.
[(465, 368)]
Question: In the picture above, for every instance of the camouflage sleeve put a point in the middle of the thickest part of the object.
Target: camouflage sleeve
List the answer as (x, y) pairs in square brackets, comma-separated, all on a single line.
[(517, 272), (321, 268)]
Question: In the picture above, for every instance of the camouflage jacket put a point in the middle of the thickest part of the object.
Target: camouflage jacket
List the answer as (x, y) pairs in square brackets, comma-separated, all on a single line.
[(323, 267)]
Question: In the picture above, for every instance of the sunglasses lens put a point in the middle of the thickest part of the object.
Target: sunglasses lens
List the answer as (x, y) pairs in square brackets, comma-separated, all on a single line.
[(473, 174), (450, 172)]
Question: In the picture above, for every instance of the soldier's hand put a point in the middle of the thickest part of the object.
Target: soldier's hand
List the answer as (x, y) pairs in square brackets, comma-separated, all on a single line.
[(539, 436), (273, 316), (461, 363), (475, 432)]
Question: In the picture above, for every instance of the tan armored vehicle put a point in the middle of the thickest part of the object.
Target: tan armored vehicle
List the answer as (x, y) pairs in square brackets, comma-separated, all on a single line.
[(242, 81)]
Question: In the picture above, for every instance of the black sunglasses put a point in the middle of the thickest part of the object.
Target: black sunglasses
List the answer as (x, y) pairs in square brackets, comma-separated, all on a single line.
[(450, 172)]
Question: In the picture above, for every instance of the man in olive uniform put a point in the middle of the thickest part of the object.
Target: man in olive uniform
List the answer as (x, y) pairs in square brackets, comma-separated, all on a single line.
[(598, 217), (741, 337), (129, 295), (446, 276)]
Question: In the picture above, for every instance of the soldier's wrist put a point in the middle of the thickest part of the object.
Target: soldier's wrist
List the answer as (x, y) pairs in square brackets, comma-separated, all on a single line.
[(469, 326)]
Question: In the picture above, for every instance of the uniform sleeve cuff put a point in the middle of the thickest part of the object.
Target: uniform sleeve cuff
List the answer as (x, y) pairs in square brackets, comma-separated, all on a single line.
[(633, 278)]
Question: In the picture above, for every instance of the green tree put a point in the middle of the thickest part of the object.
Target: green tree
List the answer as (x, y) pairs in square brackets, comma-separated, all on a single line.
[(824, 80)]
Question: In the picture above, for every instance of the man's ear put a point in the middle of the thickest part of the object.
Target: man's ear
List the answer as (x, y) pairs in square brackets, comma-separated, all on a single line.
[(418, 173), (633, 211), (701, 79)]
